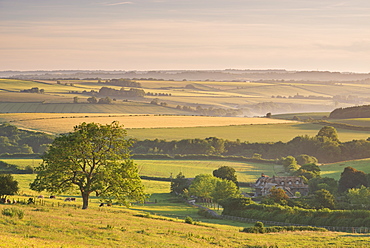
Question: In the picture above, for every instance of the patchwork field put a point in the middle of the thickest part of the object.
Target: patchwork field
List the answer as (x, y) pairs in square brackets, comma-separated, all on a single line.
[(253, 98)]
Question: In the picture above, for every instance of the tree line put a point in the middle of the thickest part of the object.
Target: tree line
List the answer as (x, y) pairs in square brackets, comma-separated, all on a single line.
[(325, 146), (351, 112)]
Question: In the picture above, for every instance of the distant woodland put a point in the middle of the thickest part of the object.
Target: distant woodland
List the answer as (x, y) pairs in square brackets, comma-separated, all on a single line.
[(351, 112)]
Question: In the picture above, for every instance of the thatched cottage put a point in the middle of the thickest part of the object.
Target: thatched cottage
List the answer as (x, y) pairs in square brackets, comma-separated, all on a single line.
[(289, 184)]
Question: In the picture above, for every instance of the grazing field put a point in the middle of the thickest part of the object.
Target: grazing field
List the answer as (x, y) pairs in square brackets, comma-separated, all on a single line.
[(56, 223), (303, 116), (121, 108), (250, 133), (46, 226), (245, 171), (362, 122), (335, 169)]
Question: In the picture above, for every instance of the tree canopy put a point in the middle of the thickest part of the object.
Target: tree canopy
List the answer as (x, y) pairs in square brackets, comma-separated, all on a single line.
[(8, 186), (352, 178), (226, 172), (209, 187), (93, 158)]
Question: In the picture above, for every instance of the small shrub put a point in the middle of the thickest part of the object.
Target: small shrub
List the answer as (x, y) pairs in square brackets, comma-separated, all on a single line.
[(259, 224), (189, 220), (13, 212)]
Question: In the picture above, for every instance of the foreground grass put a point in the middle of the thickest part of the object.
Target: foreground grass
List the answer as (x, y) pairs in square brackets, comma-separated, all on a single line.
[(45, 226)]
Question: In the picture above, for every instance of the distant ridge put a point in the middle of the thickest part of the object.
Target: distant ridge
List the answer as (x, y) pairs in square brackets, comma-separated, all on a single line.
[(202, 75)]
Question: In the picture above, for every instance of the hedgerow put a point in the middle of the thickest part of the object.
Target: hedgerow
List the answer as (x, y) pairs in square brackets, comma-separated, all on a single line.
[(296, 215)]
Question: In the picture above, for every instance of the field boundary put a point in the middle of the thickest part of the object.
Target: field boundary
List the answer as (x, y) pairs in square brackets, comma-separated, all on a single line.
[(274, 223)]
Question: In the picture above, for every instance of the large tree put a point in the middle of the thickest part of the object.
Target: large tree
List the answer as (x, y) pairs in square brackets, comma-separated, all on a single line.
[(8, 186), (228, 173), (93, 158), (351, 178)]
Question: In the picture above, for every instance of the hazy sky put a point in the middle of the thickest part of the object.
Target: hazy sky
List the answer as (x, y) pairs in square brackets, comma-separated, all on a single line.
[(193, 34)]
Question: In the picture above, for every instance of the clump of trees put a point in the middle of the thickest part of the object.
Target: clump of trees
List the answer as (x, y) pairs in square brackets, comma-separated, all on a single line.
[(132, 92), (210, 189), (14, 140), (8, 186), (351, 112), (34, 90), (206, 188)]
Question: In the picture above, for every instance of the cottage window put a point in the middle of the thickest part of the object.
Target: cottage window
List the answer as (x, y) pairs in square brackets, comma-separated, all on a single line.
[(290, 182), (297, 182), (282, 183)]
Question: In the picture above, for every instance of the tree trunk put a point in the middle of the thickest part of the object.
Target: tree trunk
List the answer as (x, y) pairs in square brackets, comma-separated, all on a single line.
[(85, 200)]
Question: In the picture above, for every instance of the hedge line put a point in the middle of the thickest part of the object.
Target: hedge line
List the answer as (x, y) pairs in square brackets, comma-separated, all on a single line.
[(257, 229)]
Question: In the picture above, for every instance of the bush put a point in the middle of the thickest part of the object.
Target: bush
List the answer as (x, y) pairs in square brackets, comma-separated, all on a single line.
[(13, 212), (259, 224), (189, 220)]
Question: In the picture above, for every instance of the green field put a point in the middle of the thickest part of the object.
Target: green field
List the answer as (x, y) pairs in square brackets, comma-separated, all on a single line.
[(303, 116), (121, 108), (251, 133), (335, 169), (245, 171), (362, 122)]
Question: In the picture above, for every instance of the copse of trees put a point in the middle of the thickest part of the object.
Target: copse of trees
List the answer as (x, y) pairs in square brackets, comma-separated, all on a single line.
[(8, 186), (14, 140), (352, 178), (212, 189), (34, 90), (132, 92), (351, 112), (228, 173)]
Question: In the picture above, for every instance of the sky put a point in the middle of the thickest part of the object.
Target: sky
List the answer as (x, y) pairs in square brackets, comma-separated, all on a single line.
[(325, 35)]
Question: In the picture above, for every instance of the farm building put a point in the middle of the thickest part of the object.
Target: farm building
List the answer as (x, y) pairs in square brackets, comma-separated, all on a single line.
[(290, 185)]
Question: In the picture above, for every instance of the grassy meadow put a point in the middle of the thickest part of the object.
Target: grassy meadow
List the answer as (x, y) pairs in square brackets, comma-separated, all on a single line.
[(245, 171), (47, 226), (159, 223)]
